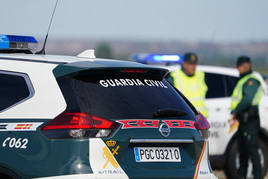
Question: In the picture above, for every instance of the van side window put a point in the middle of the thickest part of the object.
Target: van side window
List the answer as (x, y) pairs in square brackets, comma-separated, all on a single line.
[(219, 85), (13, 89), (230, 84), (215, 83)]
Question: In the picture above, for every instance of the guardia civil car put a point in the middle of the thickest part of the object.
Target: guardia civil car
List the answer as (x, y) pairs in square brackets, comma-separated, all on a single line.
[(221, 82), (83, 117)]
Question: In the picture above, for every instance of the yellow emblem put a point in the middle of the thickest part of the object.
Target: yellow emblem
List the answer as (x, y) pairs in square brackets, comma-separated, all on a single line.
[(111, 143), (110, 156)]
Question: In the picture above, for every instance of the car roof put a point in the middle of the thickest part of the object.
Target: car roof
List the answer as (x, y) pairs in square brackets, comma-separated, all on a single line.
[(75, 61), (60, 59), (41, 58)]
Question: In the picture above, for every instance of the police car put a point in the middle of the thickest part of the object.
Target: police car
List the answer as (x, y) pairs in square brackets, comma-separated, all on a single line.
[(221, 82), (67, 117)]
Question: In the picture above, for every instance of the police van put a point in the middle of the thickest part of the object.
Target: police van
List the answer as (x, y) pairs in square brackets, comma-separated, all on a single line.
[(221, 82), (83, 117)]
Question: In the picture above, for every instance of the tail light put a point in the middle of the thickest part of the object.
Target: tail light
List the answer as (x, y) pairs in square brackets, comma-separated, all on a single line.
[(202, 125), (79, 125)]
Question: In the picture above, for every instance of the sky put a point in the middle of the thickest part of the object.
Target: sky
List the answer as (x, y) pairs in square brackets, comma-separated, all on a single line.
[(196, 20)]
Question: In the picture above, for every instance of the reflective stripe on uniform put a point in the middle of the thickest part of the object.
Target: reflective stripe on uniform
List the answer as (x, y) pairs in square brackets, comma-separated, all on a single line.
[(238, 92), (257, 96)]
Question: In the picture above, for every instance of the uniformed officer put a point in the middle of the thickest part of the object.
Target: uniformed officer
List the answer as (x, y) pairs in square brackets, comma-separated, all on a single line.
[(244, 108), (191, 82)]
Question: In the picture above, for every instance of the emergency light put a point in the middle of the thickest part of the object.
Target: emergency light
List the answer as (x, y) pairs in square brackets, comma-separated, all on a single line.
[(158, 58), (15, 42)]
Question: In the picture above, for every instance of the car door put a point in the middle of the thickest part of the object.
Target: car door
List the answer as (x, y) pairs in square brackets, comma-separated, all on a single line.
[(220, 87)]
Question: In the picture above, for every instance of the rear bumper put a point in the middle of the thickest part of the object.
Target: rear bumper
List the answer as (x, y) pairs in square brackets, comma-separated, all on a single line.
[(203, 170), (209, 176), (91, 176), (77, 176)]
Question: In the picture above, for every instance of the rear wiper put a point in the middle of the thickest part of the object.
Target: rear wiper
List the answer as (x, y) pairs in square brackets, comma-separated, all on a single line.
[(168, 113)]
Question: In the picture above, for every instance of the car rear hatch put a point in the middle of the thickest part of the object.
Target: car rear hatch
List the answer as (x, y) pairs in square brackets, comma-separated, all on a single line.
[(151, 127)]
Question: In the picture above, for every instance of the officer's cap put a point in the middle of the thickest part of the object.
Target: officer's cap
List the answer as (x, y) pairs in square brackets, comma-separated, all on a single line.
[(243, 59), (190, 58)]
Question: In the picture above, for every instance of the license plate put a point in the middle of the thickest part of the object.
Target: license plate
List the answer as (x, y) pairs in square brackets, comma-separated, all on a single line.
[(157, 154)]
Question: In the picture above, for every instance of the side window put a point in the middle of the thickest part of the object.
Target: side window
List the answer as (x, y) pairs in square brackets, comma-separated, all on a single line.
[(230, 82), (215, 83), (14, 88)]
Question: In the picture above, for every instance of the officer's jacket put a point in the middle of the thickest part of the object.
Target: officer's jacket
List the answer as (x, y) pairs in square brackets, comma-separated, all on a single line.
[(247, 93), (193, 87)]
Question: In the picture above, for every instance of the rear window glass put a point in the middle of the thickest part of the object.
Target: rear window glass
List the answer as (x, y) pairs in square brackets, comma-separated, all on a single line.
[(116, 95)]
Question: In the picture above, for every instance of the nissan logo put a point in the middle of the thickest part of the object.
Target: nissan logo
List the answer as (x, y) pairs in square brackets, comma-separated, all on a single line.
[(164, 130)]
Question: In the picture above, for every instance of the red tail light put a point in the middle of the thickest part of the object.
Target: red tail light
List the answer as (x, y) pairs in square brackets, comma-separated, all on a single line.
[(70, 120), (201, 123), (79, 125)]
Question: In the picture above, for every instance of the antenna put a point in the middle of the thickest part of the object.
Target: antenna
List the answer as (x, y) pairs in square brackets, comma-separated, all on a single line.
[(42, 51)]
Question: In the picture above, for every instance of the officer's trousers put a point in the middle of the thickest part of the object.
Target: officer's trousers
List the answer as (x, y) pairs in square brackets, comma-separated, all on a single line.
[(248, 149)]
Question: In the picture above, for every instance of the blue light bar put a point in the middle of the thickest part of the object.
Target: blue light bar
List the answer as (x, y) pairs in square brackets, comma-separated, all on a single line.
[(158, 58), (166, 58), (17, 42), (4, 42)]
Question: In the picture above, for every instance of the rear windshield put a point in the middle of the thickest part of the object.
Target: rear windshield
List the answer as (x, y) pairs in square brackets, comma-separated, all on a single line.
[(121, 95)]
